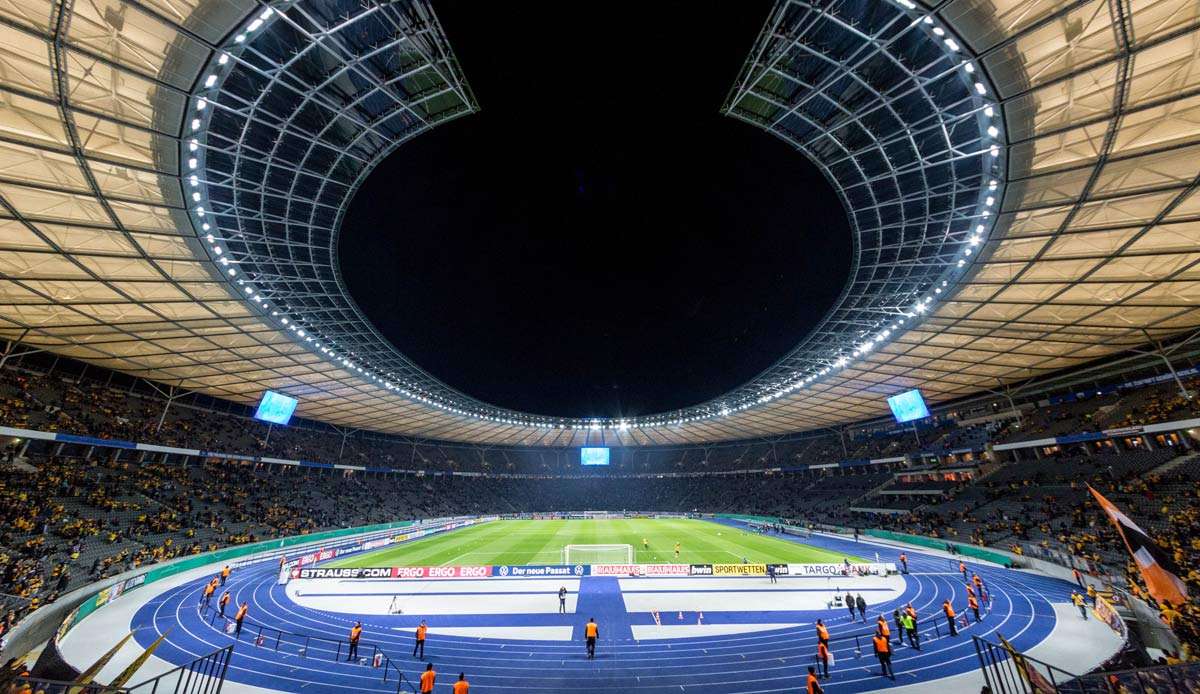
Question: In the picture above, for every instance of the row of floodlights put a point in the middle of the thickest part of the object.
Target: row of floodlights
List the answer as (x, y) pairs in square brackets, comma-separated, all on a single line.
[(414, 391)]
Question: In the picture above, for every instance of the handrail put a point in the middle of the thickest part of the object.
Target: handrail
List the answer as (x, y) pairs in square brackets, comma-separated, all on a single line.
[(9, 601), (38, 684), (266, 636), (1181, 678), (205, 675), (1004, 675)]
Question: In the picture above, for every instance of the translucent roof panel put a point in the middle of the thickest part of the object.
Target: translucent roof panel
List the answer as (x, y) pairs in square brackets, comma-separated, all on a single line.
[(1021, 179)]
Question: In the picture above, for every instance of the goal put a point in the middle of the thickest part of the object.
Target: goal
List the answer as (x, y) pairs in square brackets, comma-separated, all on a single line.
[(597, 554)]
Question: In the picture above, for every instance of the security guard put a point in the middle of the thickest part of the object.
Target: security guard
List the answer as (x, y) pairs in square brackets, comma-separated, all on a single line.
[(949, 610), (591, 632), (241, 616), (355, 635), (812, 686), (883, 651), (419, 644)]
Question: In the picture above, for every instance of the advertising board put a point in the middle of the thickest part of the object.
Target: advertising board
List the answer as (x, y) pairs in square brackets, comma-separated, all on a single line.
[(841, 569), (546, 571), (739, 569), (640, 570), (399, 572)]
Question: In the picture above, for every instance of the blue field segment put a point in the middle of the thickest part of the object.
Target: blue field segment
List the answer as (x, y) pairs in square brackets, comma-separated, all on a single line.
[(600, 597)]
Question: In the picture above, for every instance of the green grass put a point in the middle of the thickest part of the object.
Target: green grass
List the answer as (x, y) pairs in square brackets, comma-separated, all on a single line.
[(518, 542)]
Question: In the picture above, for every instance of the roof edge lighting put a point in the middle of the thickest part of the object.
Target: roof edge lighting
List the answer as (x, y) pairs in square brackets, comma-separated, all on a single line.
[(922, 197)]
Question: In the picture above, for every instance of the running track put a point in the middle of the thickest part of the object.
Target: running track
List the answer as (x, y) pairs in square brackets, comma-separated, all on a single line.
[(766, 661)]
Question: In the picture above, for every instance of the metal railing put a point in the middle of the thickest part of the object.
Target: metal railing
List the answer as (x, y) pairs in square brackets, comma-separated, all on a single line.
[(15, 603), (932, 628), (1005, 675), (60, 687), (309, 646), (204, 675), (1163, 679)]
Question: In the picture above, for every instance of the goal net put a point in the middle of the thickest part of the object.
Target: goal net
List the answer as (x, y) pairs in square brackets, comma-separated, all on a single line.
[(597, 554)]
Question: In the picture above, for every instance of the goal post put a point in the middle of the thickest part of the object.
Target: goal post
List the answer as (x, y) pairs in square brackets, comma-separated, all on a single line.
[(597, 554)]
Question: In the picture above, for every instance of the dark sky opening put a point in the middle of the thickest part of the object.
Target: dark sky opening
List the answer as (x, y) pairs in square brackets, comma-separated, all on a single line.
[(598, 240)]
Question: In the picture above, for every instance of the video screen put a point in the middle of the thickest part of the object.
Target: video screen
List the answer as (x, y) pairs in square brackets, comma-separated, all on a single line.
[(275, 408), (593, 456), (908, 406)]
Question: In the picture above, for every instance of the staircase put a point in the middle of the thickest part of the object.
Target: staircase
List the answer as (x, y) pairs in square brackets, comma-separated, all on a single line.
[(1177, 462), (23, 465), (872, 492)]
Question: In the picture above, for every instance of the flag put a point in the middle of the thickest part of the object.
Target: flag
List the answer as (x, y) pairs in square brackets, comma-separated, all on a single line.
[(1038, 684), (138, 662), (1155, 565), (85, 678)]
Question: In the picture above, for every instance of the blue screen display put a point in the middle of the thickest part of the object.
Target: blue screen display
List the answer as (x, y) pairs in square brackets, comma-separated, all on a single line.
[(275, 408), (593, 456), (908, 406)]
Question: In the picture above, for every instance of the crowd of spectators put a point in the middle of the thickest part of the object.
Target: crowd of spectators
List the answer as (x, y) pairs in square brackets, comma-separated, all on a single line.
[(78, 404), (1044, 506), (72, 521), (76, 516), (1107, 409), (68, 403)]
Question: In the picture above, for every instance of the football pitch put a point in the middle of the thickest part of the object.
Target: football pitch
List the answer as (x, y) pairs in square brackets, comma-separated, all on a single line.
[(522, 542)]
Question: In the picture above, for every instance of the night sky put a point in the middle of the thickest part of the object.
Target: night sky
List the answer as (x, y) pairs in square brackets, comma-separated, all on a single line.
[(598, 240)]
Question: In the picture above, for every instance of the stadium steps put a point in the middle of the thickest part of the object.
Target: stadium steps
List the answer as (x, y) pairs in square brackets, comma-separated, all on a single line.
[(872, 492), (23, 465), (158, 503), (1176, 463)]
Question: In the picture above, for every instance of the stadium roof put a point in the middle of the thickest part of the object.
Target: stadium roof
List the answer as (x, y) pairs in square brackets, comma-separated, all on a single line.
[(1021, 177)]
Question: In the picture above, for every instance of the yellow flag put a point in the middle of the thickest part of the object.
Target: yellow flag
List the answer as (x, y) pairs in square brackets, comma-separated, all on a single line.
[(121, 679), (85, 678)]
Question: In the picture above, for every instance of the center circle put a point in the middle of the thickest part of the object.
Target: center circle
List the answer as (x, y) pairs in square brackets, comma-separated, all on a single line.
[(588, 260)]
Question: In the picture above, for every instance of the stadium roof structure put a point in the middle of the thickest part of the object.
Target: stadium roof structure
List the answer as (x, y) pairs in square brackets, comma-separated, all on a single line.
[(1021, 178)]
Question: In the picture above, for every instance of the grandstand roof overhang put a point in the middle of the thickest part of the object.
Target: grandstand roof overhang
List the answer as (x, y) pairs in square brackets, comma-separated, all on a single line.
[(1020, 176)]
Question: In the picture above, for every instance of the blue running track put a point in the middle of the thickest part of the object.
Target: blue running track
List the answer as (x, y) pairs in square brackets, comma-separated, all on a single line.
[(764, 661)]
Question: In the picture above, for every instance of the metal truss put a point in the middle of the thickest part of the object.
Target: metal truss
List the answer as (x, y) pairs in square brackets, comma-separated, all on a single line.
[(281, 155), (129, 125)]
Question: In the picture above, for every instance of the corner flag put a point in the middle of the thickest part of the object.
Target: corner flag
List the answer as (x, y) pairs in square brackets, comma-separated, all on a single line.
[(1156, 566)]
